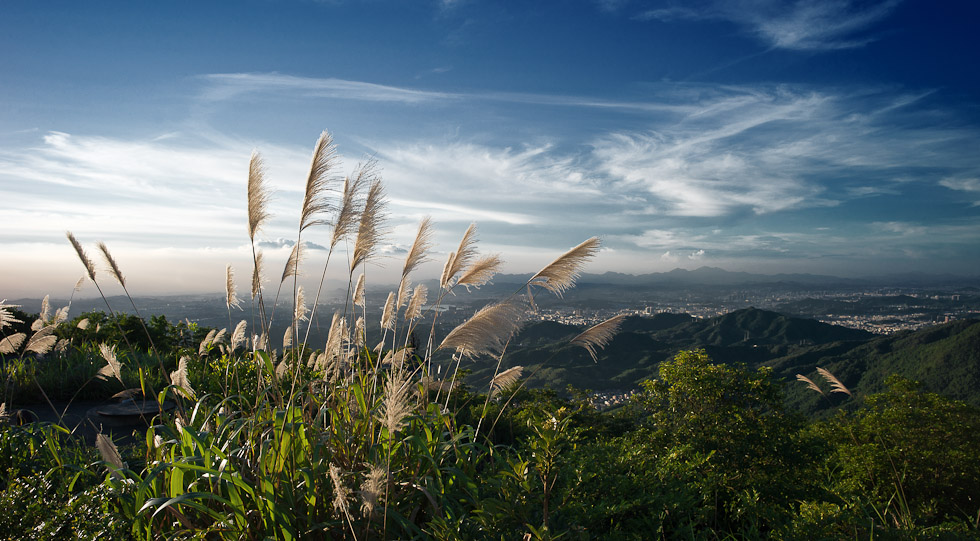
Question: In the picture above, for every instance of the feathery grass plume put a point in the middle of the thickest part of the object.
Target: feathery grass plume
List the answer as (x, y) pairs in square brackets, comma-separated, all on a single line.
[(62, 345), (372, 488), (505, 379), (315, 200), (292, 264), (78, 284), (335, 339), (113, 366), (404, 290), (45, 314), (60, 316), (239, 337), (3, 412), (561, 273), (260, 341), (42, 341), (108, 451), (231, 295), (89, 267), (420, 247), (347, 215), (835, 385), (359, 336), (179, 379), (83, 324), (396, 359), (369, 228), (340, 491), (219, 337), (388, 314), (206, 343), (480, 272), (113, 267), (597, 336), (12, 343), (259, 195), (414, 308), (359, 291), (395, 407), (257, 275), (299, 310), (809, 383), (460, 259), (6, 318), (486, 331), (287, 338)]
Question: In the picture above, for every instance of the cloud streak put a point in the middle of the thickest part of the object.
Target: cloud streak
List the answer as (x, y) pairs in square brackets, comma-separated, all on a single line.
[(803, 25)]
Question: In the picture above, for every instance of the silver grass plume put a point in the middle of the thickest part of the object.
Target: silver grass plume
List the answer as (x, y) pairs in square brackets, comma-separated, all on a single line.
[(419, 296), (359, 336), (340, 491), (12, 343), (60, 316), (219, 337), (561, 273), (810, 384), (299, 310), (78, 284), (315, 200), (460, 259), (597, 336), (396, 359), (238, 338), (257, 275), (231, 295), (109, 454), (369, 229), (179, 377), (347, 215), (388, 314), (835, 385), (335, 339), (480, 272), (45, 314), (6, 318), (113, 267), (42, 341), (487, 331), (505, 379), (292, 264), (259, 195), (113, 367), (62, 345), (359, 291), (287, 338), (83, 324), (420, 247), (206, 343), (89, 267), (395, 407), (404, 290), (372, 488)]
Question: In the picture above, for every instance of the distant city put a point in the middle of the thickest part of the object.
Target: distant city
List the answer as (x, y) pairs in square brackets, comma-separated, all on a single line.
[(881, 306)]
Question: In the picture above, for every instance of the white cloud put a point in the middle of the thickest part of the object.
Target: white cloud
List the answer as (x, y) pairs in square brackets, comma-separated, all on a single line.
[(694, 256), (800, 25), (226, 85)]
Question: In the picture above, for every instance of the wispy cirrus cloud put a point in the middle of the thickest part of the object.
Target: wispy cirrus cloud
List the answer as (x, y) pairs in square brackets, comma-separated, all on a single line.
[(969, 185), (227, 85), (802, 25)]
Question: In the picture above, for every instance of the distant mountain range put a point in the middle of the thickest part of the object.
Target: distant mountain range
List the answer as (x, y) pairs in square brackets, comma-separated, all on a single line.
[(945, 358)]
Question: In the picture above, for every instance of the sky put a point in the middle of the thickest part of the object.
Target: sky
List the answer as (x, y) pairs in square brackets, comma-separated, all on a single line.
[(830, 137)]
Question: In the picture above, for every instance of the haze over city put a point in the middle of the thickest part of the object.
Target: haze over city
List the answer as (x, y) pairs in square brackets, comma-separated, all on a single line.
[(823, 137)]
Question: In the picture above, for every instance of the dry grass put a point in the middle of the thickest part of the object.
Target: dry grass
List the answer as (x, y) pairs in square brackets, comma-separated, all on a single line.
[(561, 273), (597, 336), (487, 331)]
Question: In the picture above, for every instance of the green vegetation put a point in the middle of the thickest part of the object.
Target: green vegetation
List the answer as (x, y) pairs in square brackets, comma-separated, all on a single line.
[(362, 439)]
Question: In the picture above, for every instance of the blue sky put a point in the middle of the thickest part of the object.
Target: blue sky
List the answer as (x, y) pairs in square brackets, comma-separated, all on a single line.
[(831, 137)]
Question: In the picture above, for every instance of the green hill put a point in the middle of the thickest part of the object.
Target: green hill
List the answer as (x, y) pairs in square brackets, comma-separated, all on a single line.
[(945, 358)]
